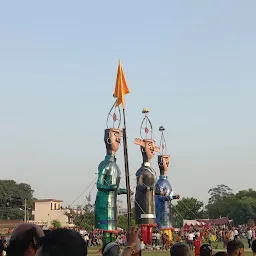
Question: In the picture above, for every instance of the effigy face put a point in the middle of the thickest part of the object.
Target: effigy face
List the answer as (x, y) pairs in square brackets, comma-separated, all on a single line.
[(112, 140), (148, 148), (115, 138), (166, 161)]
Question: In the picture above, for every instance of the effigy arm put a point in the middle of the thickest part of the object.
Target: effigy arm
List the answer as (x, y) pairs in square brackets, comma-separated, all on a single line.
[(157, 192), (122, 191), (169, 198), (106, 188)]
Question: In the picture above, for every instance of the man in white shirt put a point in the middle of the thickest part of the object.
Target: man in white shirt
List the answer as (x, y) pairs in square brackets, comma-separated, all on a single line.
[(249, 237), (158, 237), (191, 236), (236, 234)]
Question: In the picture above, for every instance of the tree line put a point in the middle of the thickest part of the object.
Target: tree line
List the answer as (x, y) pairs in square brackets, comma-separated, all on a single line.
[(12, 200), (223, 202), (239, 207)]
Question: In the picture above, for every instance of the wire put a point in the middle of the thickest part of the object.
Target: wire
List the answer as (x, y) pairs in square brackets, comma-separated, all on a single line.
[(79, 195)]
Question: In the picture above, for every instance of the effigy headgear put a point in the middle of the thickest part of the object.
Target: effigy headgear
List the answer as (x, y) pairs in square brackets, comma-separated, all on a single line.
[(146, 143), (112, 135), (163, 158)]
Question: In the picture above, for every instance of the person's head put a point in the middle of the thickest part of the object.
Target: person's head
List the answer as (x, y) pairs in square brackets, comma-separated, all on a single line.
[(62, 242), (179, 249), (4, 242), (221, 254), (254, 247), (205, 250), (235, 248), (110, 249), (25, 240)]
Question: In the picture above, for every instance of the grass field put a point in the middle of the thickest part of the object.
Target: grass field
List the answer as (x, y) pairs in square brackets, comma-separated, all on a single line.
[(248, 252)]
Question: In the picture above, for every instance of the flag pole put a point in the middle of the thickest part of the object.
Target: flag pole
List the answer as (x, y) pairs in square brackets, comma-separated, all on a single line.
[(127, 175)]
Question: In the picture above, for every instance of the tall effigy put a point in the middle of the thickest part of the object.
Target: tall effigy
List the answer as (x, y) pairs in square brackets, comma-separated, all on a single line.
[(146, 180), (165, 192), (108, 181)]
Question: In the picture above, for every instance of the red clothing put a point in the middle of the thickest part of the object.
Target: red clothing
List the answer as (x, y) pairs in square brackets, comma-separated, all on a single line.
[(197, 244)]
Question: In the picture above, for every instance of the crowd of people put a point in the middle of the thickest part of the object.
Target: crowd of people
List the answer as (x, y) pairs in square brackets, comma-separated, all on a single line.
[(30, 240), (95, 238), (223, 235)]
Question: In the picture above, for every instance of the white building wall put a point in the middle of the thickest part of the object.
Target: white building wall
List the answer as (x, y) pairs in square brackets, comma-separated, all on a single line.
[(45, 212)]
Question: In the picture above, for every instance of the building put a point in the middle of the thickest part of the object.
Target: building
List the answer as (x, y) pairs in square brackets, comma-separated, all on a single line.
[(47, 210), (122, 211)]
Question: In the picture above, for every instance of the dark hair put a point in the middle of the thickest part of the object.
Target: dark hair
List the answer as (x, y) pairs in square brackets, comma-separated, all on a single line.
[(254, 246), (220, 254), (63, 242), (234, 245), (205, 250), (21, 243), (179, 249), (110, 249)]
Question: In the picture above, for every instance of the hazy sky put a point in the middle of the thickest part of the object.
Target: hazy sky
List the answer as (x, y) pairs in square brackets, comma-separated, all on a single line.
[(192, 63)]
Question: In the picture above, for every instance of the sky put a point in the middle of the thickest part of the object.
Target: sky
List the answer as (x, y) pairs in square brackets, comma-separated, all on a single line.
[(192, 63)]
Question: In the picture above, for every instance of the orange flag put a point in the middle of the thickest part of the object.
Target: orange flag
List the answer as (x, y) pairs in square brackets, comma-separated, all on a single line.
[(121, 86)]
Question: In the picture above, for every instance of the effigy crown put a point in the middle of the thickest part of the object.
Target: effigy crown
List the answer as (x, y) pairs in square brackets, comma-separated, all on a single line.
[(146, 143), (113, 133)]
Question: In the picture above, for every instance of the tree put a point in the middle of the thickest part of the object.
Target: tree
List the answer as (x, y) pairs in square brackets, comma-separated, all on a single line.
[(220, 201), (187, 208), (12, 198), (243, 208), (122, 221), (56, 224), (86, 220)]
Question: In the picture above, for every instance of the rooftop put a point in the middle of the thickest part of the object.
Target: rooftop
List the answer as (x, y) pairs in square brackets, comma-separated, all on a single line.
[(48, 200)]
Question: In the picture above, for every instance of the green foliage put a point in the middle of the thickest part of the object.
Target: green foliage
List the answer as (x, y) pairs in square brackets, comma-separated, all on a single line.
[(12, 198), (240, 207), (187, 208), (220, 201), (56, 224), (243, 208), (86, 220), (122, 220)]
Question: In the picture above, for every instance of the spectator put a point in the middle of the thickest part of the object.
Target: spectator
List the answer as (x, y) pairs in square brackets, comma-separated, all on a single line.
[(249, 237), (179, 249), (197, 244), (235, 248), (154, 238), (3, 246), (236, 234), (158, 238), (86, 239), (25, 240), (191, 237), (62, 242), (254, 248), (205, 250)]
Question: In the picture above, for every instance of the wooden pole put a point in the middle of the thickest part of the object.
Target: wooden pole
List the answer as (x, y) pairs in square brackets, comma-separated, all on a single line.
[(127, 174)]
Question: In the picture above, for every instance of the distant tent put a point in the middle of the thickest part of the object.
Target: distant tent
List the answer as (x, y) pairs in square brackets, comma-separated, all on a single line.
[(220, 221), (207, 223)]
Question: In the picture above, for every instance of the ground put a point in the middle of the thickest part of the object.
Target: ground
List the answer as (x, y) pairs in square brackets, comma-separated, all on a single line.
[(94, 250)]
